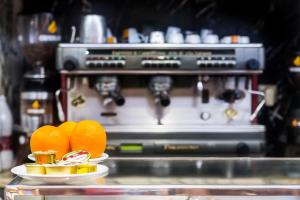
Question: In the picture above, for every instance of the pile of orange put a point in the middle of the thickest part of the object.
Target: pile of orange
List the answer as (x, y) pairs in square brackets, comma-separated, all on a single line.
[(70, 136)]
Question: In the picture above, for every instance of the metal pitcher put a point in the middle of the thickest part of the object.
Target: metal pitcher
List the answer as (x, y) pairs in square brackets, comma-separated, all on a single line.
[(93, 29)]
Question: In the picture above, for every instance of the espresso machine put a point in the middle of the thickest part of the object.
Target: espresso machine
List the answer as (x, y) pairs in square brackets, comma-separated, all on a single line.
[(166, 99)]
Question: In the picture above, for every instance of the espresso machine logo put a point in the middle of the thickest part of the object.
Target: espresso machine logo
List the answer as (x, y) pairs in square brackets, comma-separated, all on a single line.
[(77, 100)]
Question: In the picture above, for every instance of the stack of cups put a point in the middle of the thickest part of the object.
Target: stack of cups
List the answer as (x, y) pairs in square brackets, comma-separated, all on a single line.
[(174, 35), (208, 37), (192, 38)]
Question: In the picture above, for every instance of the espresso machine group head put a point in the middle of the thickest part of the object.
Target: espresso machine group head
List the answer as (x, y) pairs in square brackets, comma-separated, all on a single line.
[(160, 87), (109, 89), (180, 99)]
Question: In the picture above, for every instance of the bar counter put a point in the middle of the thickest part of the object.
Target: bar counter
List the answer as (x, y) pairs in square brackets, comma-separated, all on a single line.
[(176, 178)]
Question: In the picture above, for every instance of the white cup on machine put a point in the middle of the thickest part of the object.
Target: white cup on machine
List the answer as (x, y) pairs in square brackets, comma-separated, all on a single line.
[(226, 40), (135, 37), (211, 39), (157, 37), (235, 39), (175, 38), (204, 33), (244, 40), (171, 30), (192, 39)]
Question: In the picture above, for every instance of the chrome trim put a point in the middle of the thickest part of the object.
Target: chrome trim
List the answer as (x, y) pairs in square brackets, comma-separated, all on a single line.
[(205, 142), (186, 128), (155, 190), (160, 72), (160, 46)]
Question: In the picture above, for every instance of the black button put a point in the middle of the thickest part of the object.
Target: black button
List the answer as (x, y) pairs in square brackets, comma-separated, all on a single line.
[(91, 65), (119, 65), (99, 65)]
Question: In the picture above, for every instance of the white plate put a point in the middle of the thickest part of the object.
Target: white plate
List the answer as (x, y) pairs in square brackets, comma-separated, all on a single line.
[(103, 157), (21, 171)]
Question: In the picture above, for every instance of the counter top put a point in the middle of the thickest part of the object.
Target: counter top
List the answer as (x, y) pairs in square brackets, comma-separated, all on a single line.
[(5, 178), (183, 176)]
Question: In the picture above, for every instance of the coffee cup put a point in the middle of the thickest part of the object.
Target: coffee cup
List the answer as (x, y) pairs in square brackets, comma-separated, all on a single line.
[(176, 38), (244, 40), (131, 35), (192, 39), (171, 30), (204, 33), (226, 40), (211, 39), (157, 37)]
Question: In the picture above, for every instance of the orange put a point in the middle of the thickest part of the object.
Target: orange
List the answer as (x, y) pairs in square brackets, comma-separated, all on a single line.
[(68, 128), (48, 138), (90, 136)]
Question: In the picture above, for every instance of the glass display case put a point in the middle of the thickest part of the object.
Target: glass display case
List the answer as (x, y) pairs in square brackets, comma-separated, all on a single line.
[(176, 179)]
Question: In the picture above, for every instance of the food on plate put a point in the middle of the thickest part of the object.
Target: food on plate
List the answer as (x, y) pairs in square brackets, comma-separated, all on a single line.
[(90, 136), (66, 149), (60, 169), (44, 157), (86, 168), (68, 127), (76, 157), (50, 138), (55, 169), (32, 168)]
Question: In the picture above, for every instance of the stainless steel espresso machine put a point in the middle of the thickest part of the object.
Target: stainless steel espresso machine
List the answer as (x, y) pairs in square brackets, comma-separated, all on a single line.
[(166, 99)]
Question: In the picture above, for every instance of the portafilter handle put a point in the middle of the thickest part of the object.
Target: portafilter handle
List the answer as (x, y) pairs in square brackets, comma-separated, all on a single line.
[(118, 98), (108, 87), (164, 99)]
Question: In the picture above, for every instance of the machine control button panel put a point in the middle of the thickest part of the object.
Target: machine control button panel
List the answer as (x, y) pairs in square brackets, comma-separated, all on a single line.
[(219, 62), (150, 56), (105, 62), (161, 62)]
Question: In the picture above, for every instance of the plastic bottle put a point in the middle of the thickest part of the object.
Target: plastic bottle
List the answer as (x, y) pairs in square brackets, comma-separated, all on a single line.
[(6, 123)]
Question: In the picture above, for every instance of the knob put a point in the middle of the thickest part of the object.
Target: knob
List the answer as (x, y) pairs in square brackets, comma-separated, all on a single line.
[(205, 116), (242, 149), (119, 65), (91, 65), (252, 64), (105, 64), (99, 65), (175, 65), (70, 64), (112, 65)]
